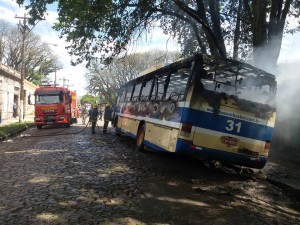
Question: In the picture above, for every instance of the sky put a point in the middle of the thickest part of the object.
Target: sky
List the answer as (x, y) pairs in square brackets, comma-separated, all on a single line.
[(290, 51), (74, 75)]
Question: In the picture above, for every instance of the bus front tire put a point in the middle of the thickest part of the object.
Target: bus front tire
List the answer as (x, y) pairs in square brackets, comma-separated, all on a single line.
[(140, 138), (39, 127)]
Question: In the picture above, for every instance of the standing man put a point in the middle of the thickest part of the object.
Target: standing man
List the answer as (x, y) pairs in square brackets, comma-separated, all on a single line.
[(107, 117), (93, 113), (100, 112), (15, 107), (83, 114)]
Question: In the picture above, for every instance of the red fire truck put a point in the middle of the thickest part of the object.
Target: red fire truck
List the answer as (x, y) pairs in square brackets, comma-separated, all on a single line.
[(54, 105)]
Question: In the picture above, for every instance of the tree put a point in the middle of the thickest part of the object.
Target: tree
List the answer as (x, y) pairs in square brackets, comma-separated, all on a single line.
[(39, 58), (105, 81), (104, 28), (88, 99)]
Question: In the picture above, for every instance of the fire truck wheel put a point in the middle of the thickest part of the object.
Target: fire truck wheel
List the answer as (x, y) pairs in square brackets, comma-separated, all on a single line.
[(39, 127)]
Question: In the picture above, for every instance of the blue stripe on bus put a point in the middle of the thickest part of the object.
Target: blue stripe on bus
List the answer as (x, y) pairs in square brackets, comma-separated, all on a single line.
[(184, 147), (154, 146), (219, 123)]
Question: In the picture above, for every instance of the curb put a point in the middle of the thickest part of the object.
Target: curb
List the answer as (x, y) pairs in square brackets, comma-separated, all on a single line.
[(288, 189), (13, 134)]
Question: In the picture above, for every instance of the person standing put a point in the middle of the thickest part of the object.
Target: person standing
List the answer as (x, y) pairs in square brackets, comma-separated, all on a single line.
[(83, 114), (15, 108), (93, 114), (100, 112), (107, 117)]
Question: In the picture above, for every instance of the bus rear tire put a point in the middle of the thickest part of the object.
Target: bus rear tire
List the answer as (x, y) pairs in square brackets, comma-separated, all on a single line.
[(140, 138), (39, 127)]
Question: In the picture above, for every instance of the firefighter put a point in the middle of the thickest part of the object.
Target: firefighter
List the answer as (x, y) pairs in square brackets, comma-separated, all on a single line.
[(107, 117), (93, 114)]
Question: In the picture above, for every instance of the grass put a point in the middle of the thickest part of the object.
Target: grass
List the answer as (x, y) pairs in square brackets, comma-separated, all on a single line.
[(13, 128)]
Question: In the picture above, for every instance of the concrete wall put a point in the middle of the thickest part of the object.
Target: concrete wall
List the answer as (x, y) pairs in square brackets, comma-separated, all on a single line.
[(10, 85)]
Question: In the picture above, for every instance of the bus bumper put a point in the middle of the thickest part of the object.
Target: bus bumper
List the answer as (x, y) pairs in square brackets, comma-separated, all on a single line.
[(188, 148)]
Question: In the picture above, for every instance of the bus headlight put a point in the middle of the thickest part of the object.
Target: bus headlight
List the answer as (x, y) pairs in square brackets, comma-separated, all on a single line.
[(37, 119), (61, 118)]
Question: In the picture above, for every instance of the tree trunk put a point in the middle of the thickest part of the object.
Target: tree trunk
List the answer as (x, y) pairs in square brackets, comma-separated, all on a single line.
[(237, 32), (266, 48), (202, 14), (216, 24), (259, 31)]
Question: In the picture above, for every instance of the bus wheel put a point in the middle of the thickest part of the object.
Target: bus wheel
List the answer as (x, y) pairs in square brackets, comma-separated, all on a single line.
[(68, 125), (39, 127), (140, 138)]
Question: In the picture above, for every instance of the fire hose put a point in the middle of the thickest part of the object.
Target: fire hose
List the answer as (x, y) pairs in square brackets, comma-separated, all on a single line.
[(59, 132)]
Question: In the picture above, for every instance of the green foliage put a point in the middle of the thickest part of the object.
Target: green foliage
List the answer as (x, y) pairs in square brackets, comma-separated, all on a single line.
[(102, 29), (88, 99), (14, 128)]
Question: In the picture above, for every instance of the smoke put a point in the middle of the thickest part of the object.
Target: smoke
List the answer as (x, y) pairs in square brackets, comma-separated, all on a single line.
[(287, 128)]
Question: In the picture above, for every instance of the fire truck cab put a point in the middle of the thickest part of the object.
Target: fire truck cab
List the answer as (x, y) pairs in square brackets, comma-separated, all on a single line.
[(54, 105)]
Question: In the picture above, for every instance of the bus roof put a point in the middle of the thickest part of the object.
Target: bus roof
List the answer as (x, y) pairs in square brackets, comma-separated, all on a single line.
[(226, 65)]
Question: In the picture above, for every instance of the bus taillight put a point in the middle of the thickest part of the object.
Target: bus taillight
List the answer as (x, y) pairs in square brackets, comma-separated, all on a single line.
[(266, 148), (186, 129)]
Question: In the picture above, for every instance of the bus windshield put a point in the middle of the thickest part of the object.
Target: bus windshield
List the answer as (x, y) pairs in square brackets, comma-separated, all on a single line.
[(241, 81), (48, 99)]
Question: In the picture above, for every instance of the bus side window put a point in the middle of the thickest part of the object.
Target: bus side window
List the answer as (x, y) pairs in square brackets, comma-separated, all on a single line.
[(136, 93), (146, 88), (177, 86), (128, 93), (122, 96), (158, 90)]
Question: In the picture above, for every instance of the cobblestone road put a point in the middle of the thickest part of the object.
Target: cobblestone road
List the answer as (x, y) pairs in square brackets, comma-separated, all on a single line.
[(100, 179)]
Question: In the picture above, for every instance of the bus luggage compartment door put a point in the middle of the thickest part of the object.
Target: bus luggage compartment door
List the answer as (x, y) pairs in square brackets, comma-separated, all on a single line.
[(166, 138)]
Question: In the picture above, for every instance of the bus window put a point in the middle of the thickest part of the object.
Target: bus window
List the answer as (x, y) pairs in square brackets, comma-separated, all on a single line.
[(177, 86), (136, 93), (158, 90), (128, 93), (121, 96), (146, 90)]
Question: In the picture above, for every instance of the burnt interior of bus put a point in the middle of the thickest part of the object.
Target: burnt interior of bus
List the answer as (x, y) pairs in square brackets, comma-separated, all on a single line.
[(253, 89)]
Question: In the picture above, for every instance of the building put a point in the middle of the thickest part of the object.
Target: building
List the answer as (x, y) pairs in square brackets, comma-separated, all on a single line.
[(10, 85)]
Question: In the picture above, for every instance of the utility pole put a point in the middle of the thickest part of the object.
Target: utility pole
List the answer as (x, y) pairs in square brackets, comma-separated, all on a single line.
[(55, 76), (24, 31), (23, 27)]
